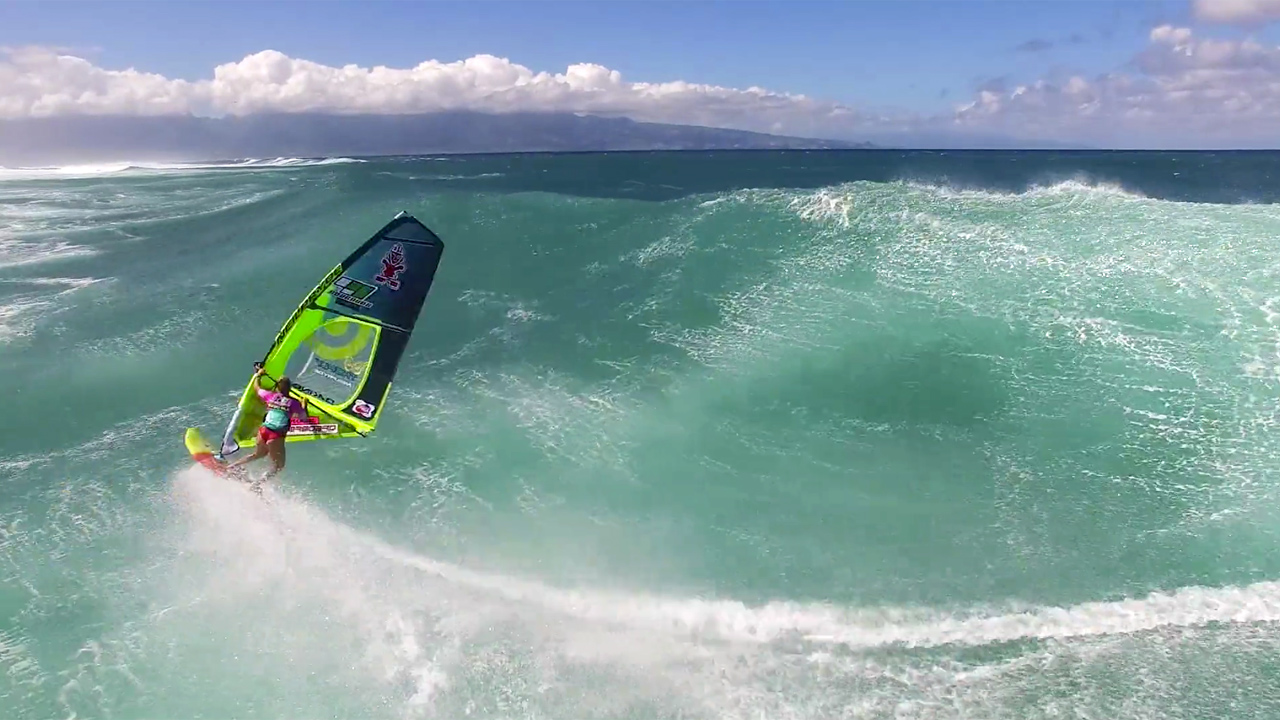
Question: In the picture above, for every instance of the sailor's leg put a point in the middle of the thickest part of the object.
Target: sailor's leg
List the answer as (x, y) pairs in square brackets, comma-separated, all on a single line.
[(275, 448), (258, 451)]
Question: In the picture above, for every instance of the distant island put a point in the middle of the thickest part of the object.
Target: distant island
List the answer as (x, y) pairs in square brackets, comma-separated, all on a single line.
[(98, 138)]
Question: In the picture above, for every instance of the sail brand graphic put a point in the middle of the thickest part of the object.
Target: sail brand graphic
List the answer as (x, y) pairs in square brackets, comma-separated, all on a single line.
[(317, 395), (336, 372), (312, 425), (363, 409), (392, 265), (353, 293)]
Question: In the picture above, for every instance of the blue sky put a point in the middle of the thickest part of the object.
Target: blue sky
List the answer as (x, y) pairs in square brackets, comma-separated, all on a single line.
[(914, 56), (904, 53)]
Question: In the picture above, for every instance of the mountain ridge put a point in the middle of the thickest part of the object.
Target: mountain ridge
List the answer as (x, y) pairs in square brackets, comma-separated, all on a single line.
[(89, 138)]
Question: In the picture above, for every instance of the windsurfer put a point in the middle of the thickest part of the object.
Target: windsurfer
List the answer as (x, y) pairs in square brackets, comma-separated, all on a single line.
[(281, 408)]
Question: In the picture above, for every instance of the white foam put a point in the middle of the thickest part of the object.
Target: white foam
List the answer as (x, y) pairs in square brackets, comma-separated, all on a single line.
[(1080, 186), (735, 621), (238, 586), (1076, 263), (287, 520), (91, 170), (20, 314), (21, 668), (278, 162), (19, 252), (37, 229), (16, 317)]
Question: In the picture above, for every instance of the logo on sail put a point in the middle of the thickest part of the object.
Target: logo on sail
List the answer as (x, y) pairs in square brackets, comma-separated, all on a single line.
[(312, 426), (353, 293), (392, 265), (335, 372)]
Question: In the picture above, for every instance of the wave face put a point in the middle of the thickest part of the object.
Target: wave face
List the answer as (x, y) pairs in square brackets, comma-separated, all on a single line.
[(723, 435)]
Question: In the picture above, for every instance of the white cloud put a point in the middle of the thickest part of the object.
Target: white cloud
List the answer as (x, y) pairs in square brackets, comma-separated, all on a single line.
[(1182, 90), (1242, 12), (37, 83), (1186, 91)]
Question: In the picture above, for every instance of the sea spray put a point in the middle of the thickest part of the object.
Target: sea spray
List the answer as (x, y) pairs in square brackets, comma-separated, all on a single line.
[(714, 436)]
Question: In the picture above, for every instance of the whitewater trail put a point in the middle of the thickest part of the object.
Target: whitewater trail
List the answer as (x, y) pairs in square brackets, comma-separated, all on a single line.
[(316, 542), (284, 582)]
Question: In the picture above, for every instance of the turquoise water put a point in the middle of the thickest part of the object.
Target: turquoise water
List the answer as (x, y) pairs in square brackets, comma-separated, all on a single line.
[(739, 435)]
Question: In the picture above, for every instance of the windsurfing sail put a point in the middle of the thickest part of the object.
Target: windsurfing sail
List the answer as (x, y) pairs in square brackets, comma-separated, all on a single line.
[(342, 345)]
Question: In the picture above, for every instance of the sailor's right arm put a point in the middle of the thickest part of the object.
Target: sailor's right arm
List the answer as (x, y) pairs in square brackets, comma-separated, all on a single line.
[(261, 392)]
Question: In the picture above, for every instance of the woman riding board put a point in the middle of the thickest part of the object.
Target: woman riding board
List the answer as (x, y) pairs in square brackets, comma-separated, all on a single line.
[(281, 408)]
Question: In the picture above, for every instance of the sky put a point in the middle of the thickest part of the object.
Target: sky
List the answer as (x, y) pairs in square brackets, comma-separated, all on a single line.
[(1186, 73)]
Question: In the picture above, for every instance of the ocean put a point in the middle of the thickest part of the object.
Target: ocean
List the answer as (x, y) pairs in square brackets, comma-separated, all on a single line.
[(724, 435)]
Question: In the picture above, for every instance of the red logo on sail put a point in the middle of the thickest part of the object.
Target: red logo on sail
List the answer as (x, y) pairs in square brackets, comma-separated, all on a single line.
[(312, 425), (392, 265), (363, 409)]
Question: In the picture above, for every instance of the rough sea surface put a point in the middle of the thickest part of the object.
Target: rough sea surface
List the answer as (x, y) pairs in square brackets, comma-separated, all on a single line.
[(722, 435)]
